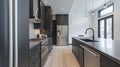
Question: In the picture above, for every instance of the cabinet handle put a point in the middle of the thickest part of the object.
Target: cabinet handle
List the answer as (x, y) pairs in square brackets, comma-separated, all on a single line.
[(96, 55)]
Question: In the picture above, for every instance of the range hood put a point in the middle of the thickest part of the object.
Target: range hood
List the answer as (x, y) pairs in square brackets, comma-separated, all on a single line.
[(35, 19)]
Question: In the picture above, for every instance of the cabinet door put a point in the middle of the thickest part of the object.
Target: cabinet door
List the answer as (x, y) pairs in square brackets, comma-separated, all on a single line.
[(81, 56), (74, 47), (35, 61), (106, 62), (48, 20), (76, 52), (31, 9), (32, 62)]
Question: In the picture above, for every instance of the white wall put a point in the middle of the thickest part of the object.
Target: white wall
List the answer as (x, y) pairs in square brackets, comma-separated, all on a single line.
[(77, 25), (77, 20), (116, 20)]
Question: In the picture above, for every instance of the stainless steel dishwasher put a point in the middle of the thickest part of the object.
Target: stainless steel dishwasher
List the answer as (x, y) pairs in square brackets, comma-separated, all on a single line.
[(91, 58)]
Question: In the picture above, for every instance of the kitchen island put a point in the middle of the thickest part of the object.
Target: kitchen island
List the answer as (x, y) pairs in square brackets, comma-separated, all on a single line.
[(108, 49)]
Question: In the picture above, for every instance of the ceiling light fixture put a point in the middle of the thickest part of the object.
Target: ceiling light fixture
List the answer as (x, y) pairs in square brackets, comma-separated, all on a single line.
[(85, 8), (93, 13), (63, 8), (105, 5)]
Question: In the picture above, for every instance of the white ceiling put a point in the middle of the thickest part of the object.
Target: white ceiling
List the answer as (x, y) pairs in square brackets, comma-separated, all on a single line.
[(73, 5)]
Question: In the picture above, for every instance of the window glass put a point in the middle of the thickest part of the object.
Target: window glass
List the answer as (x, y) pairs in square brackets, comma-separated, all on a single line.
[(102, 29), (106, 11), (109, 27)]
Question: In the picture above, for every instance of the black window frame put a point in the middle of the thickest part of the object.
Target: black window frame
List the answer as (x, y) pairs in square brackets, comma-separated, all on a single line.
[(111, 16), (99, 12)]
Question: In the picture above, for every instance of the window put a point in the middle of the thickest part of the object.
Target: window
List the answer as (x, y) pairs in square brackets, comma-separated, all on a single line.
[(106, 11), (105, 23), (105, 27)]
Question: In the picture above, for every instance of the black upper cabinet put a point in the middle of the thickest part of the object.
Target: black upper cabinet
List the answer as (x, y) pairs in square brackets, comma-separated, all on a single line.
[(34, 5), (37, 26), (41, 14), (62, 19), (48, 21), (31, 9), (41, 10)]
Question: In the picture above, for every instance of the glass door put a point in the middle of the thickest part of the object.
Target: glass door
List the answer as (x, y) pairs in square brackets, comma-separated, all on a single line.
[(102, 28), (109, 28), (105, 27)]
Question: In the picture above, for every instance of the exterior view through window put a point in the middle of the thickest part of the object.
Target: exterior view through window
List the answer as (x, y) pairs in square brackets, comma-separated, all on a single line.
[(105, 24)]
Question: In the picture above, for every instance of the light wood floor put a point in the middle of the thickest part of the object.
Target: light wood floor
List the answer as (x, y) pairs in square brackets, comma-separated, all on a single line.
[(61, 56)]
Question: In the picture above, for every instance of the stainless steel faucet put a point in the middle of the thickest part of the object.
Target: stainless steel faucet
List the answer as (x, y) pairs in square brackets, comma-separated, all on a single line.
[(92, 30)]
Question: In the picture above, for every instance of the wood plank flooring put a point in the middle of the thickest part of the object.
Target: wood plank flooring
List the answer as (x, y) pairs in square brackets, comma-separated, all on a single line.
[(61, 56)]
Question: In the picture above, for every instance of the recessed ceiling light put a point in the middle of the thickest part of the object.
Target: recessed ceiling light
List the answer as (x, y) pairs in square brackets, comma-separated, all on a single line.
[(63, 8)]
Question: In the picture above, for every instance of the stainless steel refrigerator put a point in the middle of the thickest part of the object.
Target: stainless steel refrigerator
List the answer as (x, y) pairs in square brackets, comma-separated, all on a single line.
[(14, 35), (62, 35)]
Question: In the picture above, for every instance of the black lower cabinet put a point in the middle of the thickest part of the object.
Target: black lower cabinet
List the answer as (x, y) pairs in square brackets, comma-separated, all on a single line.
[(81, 56), (78, 52), (46, 48), (106, 62), (34, 57), (34, 61)]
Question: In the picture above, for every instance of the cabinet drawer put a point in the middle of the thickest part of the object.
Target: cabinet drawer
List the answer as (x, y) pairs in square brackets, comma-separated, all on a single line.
[(34, 50), (34, 61), (106, 62)]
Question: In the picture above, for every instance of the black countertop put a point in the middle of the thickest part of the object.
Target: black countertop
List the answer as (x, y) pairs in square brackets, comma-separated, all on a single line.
[(34, 42), (107, 47)]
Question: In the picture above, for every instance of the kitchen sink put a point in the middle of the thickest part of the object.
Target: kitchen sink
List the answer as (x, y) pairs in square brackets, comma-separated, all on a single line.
[(89, 40)]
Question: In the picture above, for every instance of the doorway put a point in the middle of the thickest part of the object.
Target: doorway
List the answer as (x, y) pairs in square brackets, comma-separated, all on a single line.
[(105, 27)]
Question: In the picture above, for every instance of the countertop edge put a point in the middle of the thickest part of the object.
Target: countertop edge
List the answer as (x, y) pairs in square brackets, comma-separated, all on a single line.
[(106, 55)]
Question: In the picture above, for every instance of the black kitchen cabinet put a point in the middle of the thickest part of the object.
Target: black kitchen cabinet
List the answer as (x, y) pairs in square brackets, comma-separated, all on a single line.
[(46, 48), (37, 26), (48, 21), (81, 56), (78, 52), (106, 62), (54, 33), (49, 44), (31, 9), (44, 52), (75, 48), (33, 5), (41, 10), (34, 56), (41, 13), (34, 61), (62, 19)]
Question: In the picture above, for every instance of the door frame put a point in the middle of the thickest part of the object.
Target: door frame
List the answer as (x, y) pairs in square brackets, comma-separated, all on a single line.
[(105, 18)]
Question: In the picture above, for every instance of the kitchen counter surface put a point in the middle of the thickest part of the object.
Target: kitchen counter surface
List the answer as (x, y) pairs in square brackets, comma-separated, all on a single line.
[(107, 47), (34, 42)]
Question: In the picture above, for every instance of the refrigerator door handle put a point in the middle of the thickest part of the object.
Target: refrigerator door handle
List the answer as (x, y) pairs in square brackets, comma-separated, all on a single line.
[(11, 33)]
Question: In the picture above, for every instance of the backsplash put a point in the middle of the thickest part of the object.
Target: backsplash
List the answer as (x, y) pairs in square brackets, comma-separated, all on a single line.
[(33, 32)]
